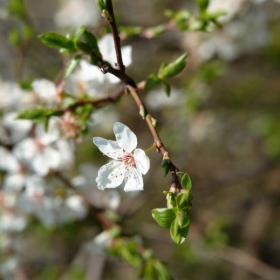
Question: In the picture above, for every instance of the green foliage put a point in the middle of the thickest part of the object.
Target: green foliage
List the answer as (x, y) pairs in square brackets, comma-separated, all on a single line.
[(152, 32), (186, 182), (72, 44), (180, 18), (164, 216), (165, 165), (167, 88), (173, 68), (79, 32), (17, 8), (102, 4), (38, 114), (72, 65), (166, 71), (177, 214), (152, 81), (202, 5), (128, 31), (154, 269), (57, 41)]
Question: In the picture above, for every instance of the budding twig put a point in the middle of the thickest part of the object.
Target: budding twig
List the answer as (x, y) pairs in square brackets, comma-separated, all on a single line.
[(131, 86)]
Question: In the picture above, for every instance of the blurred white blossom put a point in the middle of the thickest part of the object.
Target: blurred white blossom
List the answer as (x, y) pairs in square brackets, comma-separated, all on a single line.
[(74, 13)]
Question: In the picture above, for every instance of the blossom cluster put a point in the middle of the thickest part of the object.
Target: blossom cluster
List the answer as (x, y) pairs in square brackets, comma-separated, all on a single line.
[(33, 156)]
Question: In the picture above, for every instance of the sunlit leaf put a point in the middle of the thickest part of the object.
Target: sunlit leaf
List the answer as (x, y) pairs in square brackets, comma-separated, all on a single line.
[(164, 216)]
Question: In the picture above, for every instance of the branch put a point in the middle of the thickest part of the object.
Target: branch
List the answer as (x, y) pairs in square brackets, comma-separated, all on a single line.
[(131, 87), (117, 41)]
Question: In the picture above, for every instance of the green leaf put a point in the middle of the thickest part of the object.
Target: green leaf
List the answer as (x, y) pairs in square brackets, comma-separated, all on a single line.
[(182, 200), (91, 40), (38, 114), (215, 15), (152, 81), (180, 175), (128, 31), (174, 68), (79, 33), (154, 31), (18, 8), (166, 88), (101, 4), (186, 182), (14, 37), (165, 165), (203, 5), (161, 271), (72, 65), (183, 219), (178, 234), (164, 216), (58, 41), (171, 200)]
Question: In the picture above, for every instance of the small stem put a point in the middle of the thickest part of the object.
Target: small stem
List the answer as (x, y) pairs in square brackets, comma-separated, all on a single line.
[(151, 148)]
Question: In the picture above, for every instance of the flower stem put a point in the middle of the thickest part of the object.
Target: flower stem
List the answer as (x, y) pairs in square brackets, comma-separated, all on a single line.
[(151, 148)]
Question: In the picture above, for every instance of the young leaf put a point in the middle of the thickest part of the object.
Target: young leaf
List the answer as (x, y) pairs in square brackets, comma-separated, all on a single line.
[(38, 114), (174, 68), (182, 200), (164, 216), (186, 182), (178, 234), (166, 88), (183, 219), (101, 4), (161, 271), (72, 65), (58, 41), (152, 81), (171, 200), (165, 165), (91, 40), (203, 5), (79, 33)]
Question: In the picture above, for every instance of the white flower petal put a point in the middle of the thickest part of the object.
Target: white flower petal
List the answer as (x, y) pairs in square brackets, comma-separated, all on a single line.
[(134, 181), (142, 161), (14, 182), (126, 55), (45, 89), (125, 137), (108, 147), (106, 46), (110, 175)]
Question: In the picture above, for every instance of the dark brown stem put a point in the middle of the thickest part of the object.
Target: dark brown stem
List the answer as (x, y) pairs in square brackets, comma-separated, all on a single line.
[(131, 87), (117, 41)]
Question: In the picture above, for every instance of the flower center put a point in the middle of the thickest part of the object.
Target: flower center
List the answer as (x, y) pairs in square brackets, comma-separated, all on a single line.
[(128, 159)]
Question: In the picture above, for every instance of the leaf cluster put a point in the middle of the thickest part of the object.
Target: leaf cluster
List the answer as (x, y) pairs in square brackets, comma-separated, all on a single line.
[(129, 250), (201, 22), (176, 215), (166, 71), (82, 42)]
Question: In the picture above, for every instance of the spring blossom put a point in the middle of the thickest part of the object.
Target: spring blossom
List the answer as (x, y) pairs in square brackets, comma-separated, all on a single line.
[(128, 163)]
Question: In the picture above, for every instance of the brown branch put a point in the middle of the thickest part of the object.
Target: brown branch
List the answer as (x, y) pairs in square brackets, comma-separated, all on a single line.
[(131, 87), (114, 30)]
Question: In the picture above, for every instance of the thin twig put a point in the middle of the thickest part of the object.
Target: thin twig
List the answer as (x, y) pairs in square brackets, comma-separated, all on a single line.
[(131, 87)]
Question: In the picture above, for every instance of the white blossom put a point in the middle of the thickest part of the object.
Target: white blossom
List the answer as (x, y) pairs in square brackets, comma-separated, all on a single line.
[(89, 79), (45, 89), (128, 163)]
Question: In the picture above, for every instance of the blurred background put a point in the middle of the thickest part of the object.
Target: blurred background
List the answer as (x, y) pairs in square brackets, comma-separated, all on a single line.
[(221, 125)]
